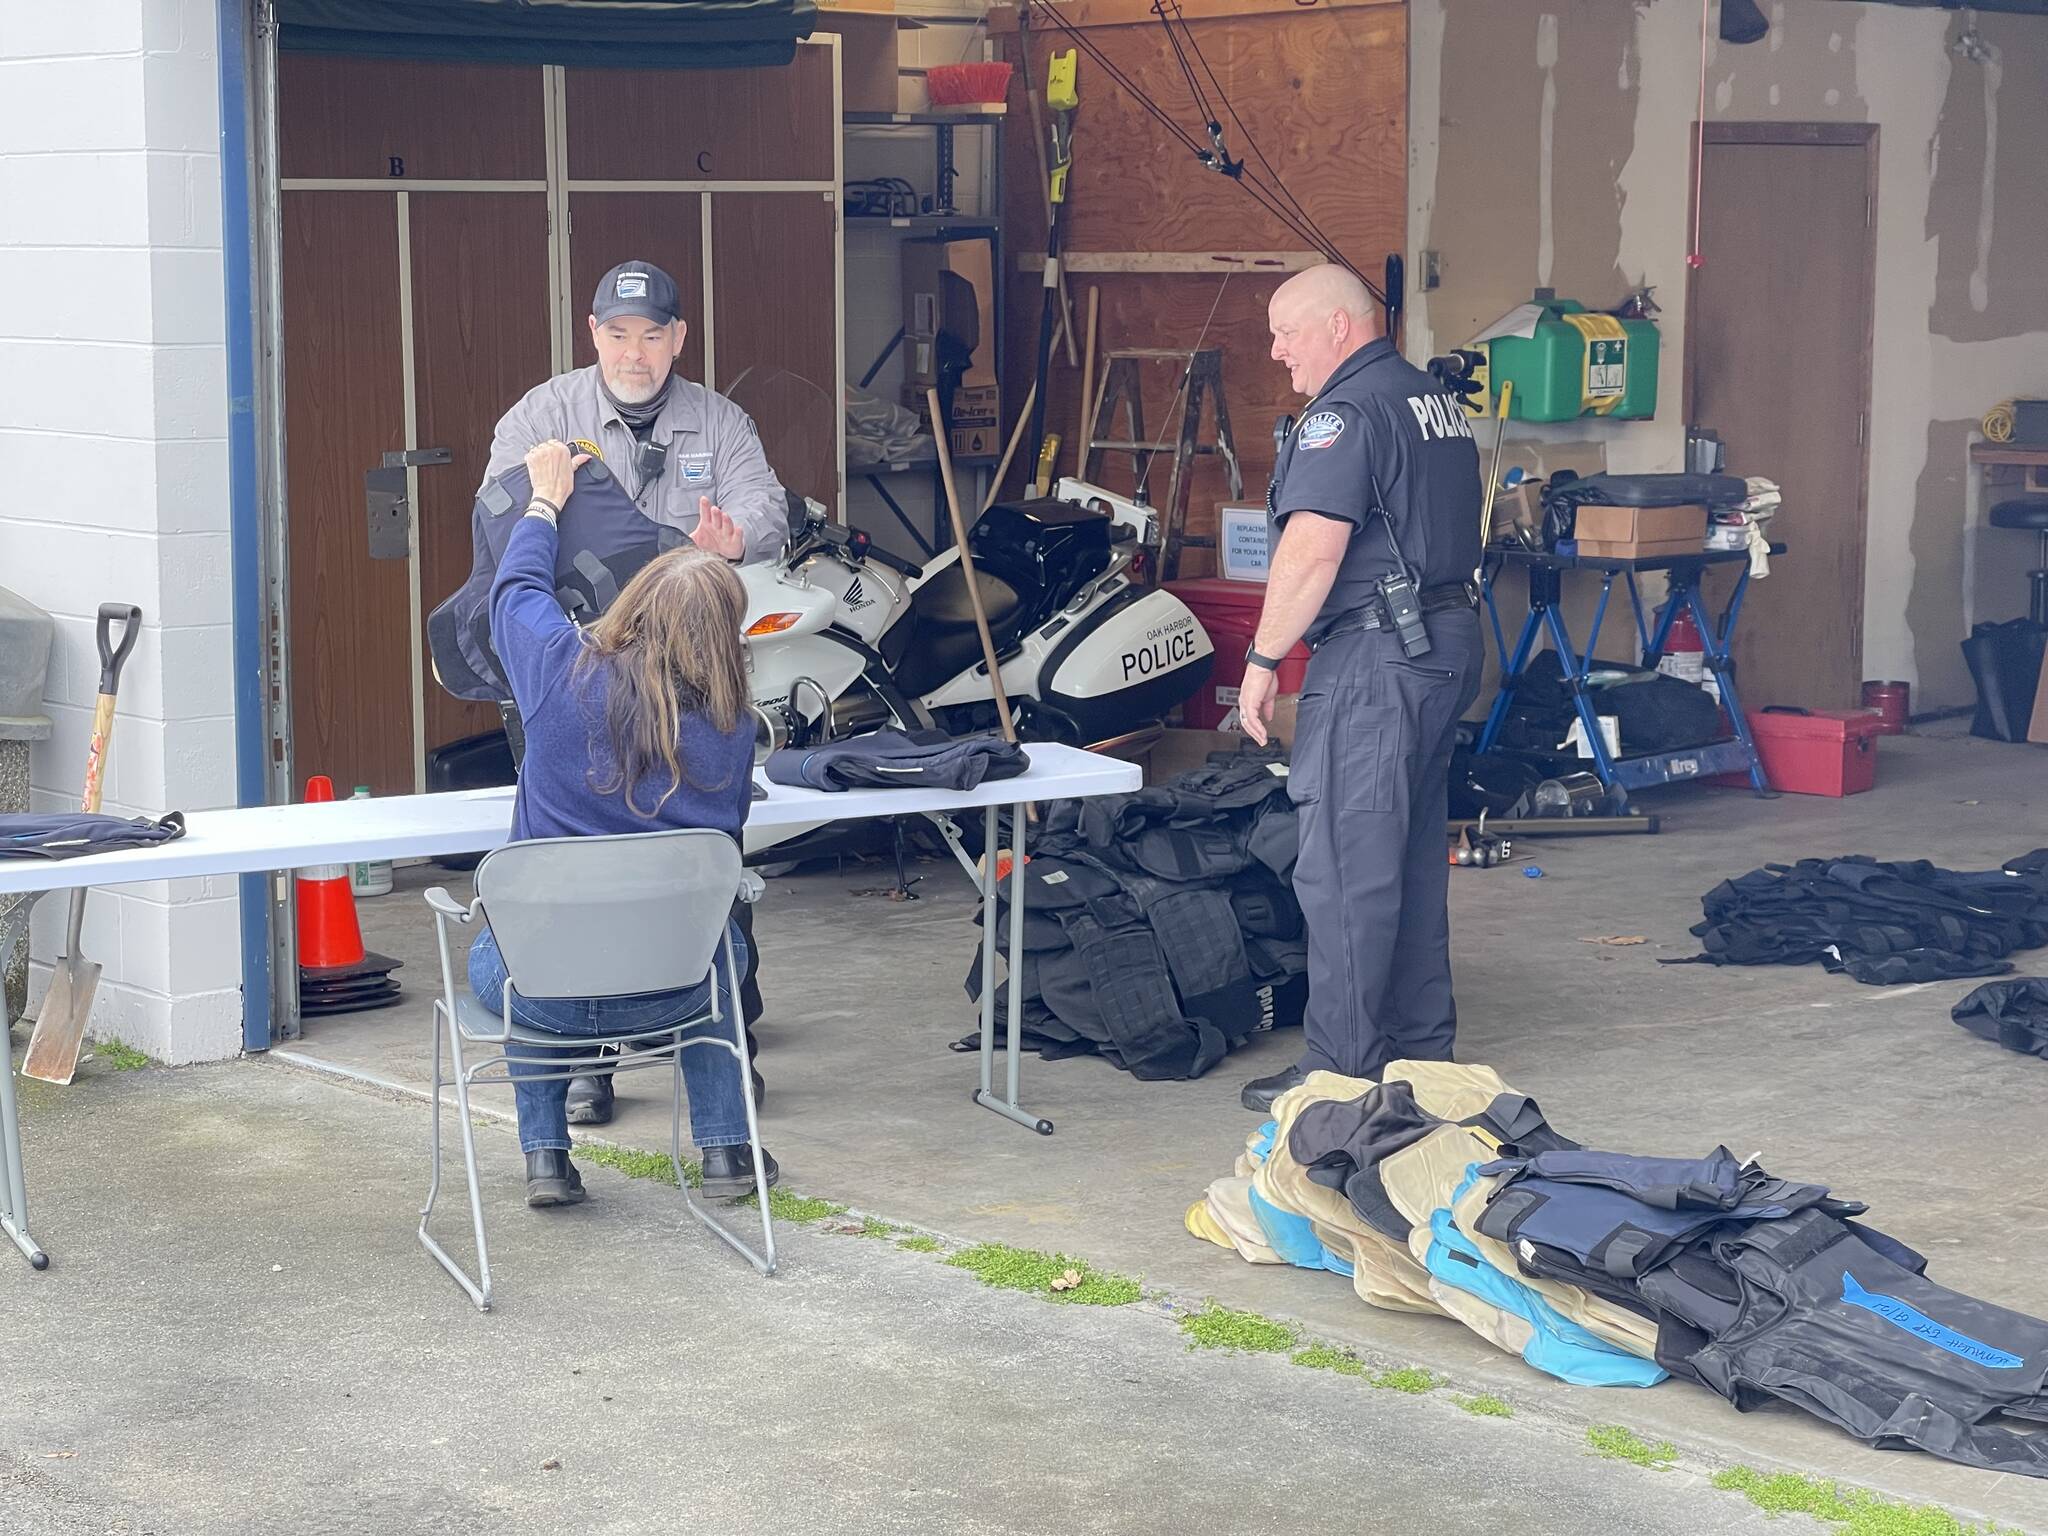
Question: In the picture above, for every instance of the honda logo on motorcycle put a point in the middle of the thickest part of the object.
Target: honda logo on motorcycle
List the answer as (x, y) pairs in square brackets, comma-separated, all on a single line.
[(857, 596), (1165, 648)]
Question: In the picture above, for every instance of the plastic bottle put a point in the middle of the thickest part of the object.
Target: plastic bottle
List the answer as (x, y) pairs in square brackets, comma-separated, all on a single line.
[(369, 877)]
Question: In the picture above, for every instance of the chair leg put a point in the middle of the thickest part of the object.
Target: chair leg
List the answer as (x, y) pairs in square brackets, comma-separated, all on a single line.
[(764, 1261), (478, 1289)]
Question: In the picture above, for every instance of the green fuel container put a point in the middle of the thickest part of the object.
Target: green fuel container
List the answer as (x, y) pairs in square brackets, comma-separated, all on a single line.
[(1577, 364)]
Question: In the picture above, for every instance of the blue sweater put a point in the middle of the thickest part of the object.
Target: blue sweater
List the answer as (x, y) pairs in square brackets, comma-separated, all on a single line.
[(568, 748)]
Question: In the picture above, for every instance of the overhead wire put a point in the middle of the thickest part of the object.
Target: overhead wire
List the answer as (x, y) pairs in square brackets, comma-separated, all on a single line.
[(1277, 200)]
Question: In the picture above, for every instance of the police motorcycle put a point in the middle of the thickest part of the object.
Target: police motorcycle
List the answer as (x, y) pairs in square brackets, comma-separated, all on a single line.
[(844, 636)]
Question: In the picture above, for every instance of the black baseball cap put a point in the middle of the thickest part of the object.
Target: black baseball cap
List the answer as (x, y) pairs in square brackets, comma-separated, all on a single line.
[(636, 288)]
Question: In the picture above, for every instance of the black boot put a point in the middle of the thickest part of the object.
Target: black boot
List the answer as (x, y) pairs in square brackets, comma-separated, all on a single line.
[(729, 1171), (1260, 1092), (590, 1100), (552, 1179)]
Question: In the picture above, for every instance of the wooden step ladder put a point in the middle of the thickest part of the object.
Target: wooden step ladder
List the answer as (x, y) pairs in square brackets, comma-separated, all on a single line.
[(1201, 382)]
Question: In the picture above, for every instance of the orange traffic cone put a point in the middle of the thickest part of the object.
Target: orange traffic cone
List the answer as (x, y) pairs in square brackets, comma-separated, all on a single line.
[(329, 934), (336, 974)]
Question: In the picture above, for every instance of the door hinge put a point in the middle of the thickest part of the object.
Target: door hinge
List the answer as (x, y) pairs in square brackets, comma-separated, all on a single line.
[(1869, 205), (1862, 426)]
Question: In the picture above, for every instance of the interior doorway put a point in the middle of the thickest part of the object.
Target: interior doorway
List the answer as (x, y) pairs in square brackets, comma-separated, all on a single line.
[(1778, 345), (441, 227)]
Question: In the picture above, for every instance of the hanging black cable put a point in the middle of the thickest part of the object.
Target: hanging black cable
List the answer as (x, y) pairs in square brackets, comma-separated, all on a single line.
[(1276, 200)]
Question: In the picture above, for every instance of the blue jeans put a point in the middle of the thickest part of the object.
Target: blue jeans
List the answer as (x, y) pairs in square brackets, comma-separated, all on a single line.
[(718, 1109)]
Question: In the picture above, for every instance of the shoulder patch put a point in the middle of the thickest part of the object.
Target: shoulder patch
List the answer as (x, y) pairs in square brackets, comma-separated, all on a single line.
[(585, 445), (1321, 430)]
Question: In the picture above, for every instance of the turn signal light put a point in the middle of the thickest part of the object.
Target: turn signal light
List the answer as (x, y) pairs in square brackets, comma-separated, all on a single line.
[(773, 624)]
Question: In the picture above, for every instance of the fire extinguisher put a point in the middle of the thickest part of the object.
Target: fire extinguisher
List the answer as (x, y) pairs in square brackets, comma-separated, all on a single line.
[(1685, 652)]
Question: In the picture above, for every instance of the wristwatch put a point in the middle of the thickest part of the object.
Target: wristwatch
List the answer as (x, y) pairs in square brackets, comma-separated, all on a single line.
[(1253, 659)]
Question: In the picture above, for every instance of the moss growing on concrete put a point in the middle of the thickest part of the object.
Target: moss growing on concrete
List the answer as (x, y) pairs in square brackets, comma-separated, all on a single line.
[(1411, 1379), (1022, 1269), (636, 1164), (798, 1210), (121, 1057), (1321, 1357), (1621, 1444), (1486, 1406), (919, 1244), (1217, 1327), (1853, 1511)]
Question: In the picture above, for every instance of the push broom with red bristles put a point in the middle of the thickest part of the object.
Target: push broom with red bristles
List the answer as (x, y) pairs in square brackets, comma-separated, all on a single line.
[(967, 85)]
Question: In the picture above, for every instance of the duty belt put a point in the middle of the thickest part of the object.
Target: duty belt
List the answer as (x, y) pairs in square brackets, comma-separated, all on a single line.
[(1373, 613)]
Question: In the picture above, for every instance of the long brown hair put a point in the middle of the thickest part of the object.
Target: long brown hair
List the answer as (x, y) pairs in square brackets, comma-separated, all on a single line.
[(670, 646)]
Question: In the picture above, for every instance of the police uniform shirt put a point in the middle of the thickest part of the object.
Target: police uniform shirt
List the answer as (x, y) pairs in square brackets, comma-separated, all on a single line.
[(1381, 421), (709, 448)]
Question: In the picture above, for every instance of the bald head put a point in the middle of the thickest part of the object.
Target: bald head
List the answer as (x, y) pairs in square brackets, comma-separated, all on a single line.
[(1318, 318)]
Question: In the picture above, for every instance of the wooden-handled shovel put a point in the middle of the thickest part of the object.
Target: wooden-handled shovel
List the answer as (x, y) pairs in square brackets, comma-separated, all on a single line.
[(67, 1006)]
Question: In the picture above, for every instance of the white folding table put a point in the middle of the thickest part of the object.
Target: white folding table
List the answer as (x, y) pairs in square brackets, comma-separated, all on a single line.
[(264, 839)]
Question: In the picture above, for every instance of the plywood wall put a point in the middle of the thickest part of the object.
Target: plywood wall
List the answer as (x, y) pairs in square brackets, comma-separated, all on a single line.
[(1323, 92)]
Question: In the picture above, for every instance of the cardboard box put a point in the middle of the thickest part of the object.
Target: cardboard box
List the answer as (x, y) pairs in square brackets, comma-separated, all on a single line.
[(1521, 508), (949, 306), (977, 424), (1641, 531), (1243, 548), (1179, 751), (1598, 549), (868, 78), (2038, 731)]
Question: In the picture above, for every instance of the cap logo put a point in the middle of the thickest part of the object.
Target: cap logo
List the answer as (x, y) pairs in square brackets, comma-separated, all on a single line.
[(631, 285)]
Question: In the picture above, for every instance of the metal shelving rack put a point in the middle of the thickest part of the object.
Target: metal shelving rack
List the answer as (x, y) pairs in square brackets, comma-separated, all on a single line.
[(942, 220)]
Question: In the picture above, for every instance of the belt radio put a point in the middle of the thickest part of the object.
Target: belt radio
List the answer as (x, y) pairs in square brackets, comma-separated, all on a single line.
[(1398, 590)]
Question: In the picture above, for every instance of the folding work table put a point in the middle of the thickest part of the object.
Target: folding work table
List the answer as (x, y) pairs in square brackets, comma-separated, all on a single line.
[(264, 839), (1546, 616)]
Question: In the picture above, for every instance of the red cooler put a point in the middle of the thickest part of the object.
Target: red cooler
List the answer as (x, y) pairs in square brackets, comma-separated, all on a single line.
[(1229, 611), (1816, 752)]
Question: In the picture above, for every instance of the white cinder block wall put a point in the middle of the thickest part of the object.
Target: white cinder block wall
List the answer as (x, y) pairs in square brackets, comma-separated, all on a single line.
[(113, 416)]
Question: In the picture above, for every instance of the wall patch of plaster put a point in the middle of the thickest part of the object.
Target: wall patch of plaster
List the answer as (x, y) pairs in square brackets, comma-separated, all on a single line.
[(1546, 139), (1902, 77), (1724, 93), (1980, 279), (1656, 189), (1774, 95), (1833, 97), (1425, 135)]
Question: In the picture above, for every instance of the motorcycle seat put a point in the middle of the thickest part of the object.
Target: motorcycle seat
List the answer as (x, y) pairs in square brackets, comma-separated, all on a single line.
[(943, 640)]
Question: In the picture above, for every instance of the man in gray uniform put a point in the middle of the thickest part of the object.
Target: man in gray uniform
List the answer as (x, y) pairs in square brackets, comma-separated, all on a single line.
[(1376, 498), (690, 459)]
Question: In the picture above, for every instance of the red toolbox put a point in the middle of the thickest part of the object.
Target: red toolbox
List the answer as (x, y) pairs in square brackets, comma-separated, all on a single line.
[(1229, 611), (1815, 752)]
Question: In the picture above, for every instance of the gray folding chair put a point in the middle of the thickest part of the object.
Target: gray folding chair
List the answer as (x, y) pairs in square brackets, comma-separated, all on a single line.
[(591, 917)]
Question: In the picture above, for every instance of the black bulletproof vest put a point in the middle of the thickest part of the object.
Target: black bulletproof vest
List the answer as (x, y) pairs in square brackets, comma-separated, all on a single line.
[(1880, 923), (1822, 1320), (1622, 1216), (604, 541)]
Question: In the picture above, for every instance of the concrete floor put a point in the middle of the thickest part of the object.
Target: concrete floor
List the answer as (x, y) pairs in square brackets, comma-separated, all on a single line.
[(1873, 1091), (242, 1336)]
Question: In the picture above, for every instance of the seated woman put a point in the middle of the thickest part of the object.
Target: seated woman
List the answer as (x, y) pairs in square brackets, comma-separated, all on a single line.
[(637, 724)]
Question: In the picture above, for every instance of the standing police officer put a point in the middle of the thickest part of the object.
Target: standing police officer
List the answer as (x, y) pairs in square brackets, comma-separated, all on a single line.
[(1376, 497), (690, 459)]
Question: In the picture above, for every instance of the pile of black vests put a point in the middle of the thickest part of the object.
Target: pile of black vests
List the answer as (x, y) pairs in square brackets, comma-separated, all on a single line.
[(1160, 928)]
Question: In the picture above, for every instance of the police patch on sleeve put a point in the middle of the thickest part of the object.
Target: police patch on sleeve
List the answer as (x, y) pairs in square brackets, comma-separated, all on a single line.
[(1321, 430)]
